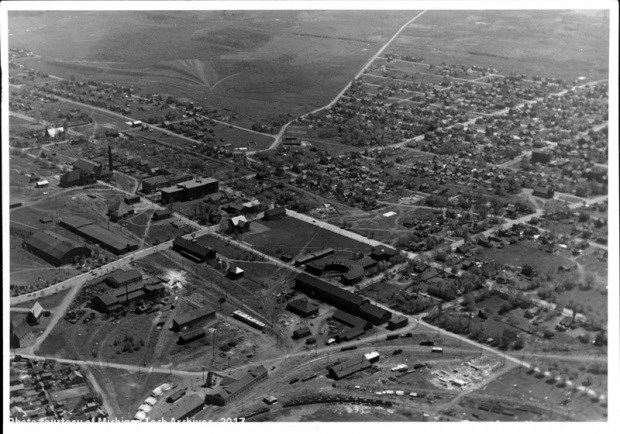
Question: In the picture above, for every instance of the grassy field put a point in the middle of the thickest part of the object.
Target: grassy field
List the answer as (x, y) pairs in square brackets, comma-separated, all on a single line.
[(564, 44), (292, 236), (258, 64), (521, 254)]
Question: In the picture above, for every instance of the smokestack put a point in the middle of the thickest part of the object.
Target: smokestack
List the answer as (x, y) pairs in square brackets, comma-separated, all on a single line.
[(110, 158)]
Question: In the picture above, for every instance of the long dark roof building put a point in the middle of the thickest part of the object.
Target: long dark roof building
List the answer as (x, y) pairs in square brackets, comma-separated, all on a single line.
[(192, 318), (114, 242), (349, 367), (223, 395), (54, 248), (334, 295), (194, 249)]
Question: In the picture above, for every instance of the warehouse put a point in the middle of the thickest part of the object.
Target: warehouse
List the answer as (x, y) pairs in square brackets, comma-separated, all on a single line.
[(154, 183), (338, 297), (55, 249), (191, 318), (193, 249), (115, 243), (302, 307), (374, 313), (123, 277), (349, 367), (350, 320), (274, 214), (349, 335), (184, 408), (224, 395), (188, 190)]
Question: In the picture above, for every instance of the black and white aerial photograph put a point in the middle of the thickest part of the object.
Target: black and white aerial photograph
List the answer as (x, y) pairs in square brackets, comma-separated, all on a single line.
[(310, 212)]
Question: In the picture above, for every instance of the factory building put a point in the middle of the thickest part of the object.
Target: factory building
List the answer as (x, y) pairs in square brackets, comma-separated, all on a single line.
[(189, 190), (114, 242)]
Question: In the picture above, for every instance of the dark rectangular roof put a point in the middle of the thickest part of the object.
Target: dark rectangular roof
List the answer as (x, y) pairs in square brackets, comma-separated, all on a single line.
[(275, 211), (75, 221), (375, 311), (122, 277), (193, 315), (329, 289), (350, 366), (195, 248), (348, 319), (114, 240), (303, 305), (352, 333), (51, 243), (242, 382)]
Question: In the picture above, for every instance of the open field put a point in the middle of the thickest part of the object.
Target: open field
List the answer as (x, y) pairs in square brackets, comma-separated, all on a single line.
[(563, 44), (257, 64), (521, 254), (292, 236)]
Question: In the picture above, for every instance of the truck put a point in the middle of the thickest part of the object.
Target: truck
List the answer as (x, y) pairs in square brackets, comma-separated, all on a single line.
[(437, 350)]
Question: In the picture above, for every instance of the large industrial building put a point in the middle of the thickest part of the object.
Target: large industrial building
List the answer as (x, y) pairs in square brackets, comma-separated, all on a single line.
[(349, 367), (114, 242), (154, 183), (191, 318), (55, 249), (342, 299), (222, 395), (188, 190), (194, 249)]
